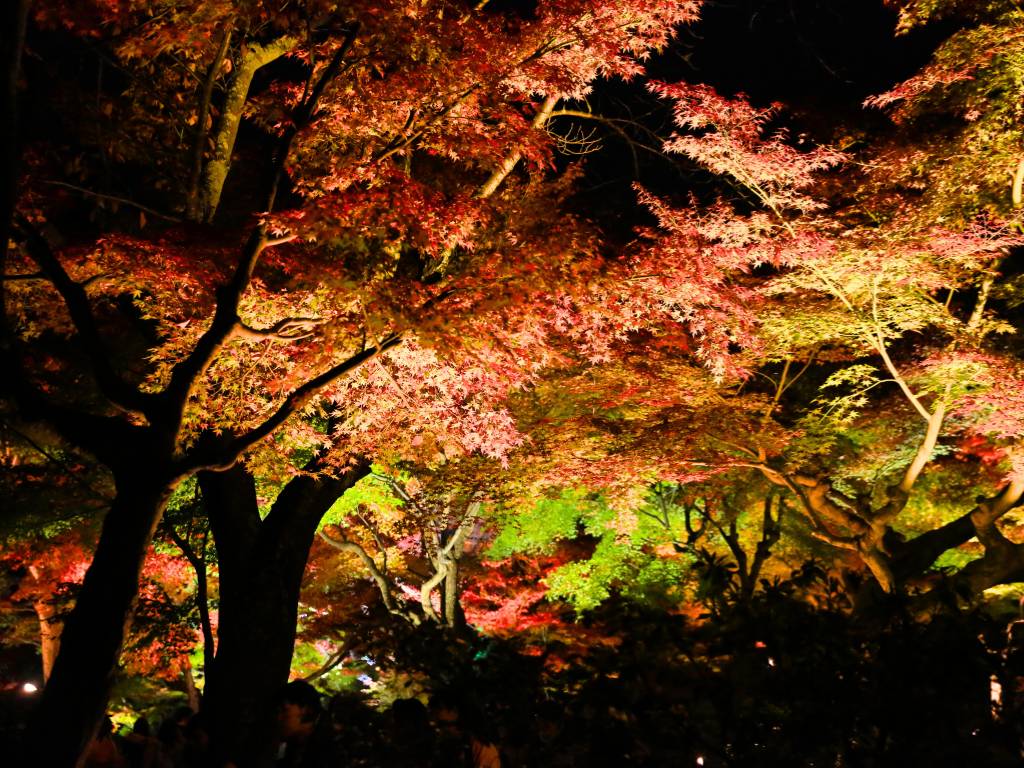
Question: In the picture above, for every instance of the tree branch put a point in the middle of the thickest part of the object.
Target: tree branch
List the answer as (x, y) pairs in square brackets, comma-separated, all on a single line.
[(111, 385), (186, 374), (192, 201), (289, 329), (333, 661), (108, 438), (879, 344), (216, 171), (384, 584), (400, 143), (771, 531), (223, 454), (988, 511), (202, 599), (428, 586), (818, 507), (503, 170), (303, 114), (114, 199)]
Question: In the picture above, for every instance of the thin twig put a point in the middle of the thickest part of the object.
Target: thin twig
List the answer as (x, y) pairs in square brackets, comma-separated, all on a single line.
[(113, 199)]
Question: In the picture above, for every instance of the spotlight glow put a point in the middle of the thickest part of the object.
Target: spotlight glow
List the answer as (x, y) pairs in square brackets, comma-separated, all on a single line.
[(29, 688)]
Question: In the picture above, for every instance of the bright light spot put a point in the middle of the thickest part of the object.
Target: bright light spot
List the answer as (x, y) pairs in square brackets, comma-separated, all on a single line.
[(760, 644), (365, 679), (771, 662), (700, 761), (30, 687)]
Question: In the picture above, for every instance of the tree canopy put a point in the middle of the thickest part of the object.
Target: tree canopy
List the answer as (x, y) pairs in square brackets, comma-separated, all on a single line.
[(315, 329)]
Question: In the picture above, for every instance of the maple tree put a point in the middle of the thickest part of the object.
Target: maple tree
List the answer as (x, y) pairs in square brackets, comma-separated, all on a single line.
[(388, 132), (825, 277), (292, 252)]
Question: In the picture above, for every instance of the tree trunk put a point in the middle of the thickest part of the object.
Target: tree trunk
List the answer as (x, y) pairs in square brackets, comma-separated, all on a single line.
[(191, 691), (192, 201), (13, 21), (451, 592), (49, 634), (261, 569), (216, 172), (75, 698)]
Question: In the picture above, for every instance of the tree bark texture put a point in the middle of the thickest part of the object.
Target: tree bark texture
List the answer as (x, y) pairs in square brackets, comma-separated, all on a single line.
[(216, 171), (49, 634), (261, 569)]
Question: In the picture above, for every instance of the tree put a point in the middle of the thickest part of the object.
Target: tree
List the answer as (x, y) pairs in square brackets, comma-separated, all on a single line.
[(387, 134), (875, 286)]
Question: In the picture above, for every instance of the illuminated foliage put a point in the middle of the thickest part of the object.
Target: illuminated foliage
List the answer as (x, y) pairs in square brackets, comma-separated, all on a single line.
[(321, 269)]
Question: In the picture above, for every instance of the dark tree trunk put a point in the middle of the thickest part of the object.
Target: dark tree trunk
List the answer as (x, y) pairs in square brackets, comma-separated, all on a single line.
[(75, 697), (13, 20), (912, 558), (261, 569)]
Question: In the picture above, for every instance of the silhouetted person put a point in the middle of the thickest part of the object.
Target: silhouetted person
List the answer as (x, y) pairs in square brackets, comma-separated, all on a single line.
[(197, 743), (303, 729), (463, 736), (139, 747), (410, 740), (102, 751)]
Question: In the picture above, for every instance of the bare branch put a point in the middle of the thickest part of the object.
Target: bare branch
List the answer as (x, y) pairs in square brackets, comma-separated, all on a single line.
[(880, 347), (924, 451), (503, 170), (429, 586), (813, 495), (252, 58), (988, 511), (771, 531), (192, 202), (400, 143), (202, 600), (303, 114)]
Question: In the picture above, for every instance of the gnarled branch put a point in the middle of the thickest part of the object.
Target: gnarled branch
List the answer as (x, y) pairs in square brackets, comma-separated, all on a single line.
[(384, 585)]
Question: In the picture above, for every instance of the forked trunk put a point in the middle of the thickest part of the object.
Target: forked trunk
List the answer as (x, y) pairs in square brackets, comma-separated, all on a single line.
[(261, 568)]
